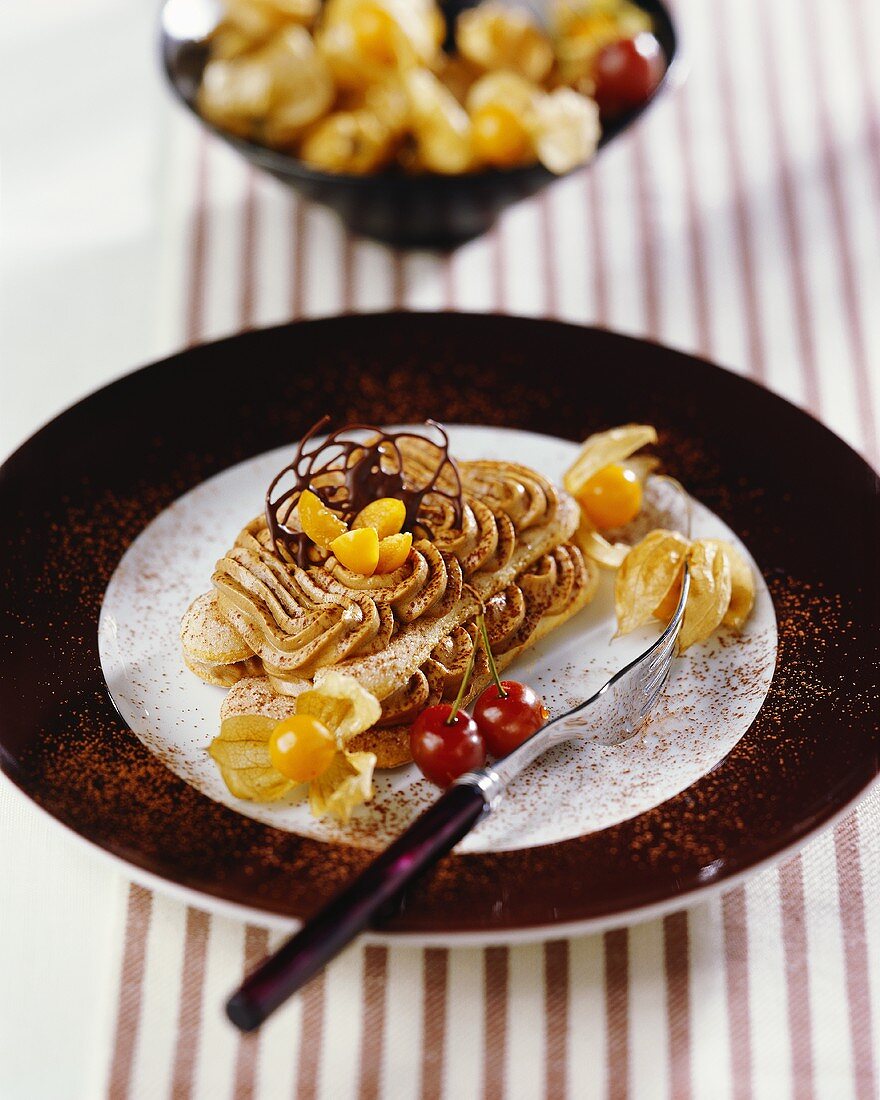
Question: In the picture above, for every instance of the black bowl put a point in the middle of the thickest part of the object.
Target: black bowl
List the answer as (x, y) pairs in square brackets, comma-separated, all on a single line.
[(430, 211)]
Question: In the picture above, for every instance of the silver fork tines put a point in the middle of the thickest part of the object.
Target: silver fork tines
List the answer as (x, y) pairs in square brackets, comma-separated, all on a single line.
[(614, 714)]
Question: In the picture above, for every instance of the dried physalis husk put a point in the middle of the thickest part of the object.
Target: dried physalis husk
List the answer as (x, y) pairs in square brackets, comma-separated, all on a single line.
[(341, 704), (347, 783), (742, 586), (235, 94), (709, 595), (503, 89), (495, 36), (353, 142), (722, 586), (282, 86), (256, 20), (440, 126), (241, 750), (610, 555), (567, 131), (228, 42), (365, 40), (598, 451), (302, 85), (649, 571), (459, 75), (389, 103)]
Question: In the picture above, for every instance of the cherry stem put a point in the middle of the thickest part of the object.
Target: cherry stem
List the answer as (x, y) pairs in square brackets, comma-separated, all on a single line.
[(481, 619), (465, 681)]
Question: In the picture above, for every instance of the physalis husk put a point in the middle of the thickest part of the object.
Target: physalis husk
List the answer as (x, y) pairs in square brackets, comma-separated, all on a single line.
[(567, 130), (495, 36), (648, 572), (648, 585), (616, 445), (286, 82), (440, 125), (348, 142), (241, 749)]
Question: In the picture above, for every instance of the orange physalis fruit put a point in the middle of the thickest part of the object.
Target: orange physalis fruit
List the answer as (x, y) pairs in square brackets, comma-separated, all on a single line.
[(358, 550), (385, 516), (612, 497), (499, 136), (320, 524), (375, 33), (393, 552), (301, 748)]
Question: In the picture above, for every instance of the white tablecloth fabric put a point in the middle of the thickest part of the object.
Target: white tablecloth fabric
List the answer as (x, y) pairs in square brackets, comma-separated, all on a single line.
[(741, 221)]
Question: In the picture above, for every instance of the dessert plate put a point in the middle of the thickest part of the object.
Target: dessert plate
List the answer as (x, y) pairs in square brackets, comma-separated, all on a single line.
[(142, 485)]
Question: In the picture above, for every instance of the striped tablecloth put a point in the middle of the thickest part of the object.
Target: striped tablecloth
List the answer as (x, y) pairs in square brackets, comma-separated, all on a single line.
[(741, 222)]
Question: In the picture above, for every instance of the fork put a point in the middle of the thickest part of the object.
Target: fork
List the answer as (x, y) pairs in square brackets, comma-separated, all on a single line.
[(614, 714)]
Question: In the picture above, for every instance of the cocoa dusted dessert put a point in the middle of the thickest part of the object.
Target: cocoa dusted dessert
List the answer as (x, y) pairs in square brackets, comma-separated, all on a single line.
[(382, 579)]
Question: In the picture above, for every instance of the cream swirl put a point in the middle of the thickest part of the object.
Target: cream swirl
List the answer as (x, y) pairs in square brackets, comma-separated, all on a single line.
[(296, 620)]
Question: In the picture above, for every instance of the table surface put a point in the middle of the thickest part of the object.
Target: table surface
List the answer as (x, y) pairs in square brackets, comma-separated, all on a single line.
[(742, 222)]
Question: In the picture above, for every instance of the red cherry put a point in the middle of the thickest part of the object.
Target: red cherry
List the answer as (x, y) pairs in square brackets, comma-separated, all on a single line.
[(626, 73), (444, 750), (505, 721)]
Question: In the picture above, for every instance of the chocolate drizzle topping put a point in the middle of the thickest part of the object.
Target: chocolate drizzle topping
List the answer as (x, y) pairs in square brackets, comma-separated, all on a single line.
[(350, 470)]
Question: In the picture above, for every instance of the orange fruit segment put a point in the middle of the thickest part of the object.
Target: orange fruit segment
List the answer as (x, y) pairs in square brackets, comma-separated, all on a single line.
[(393, 552), (385, 515), (320, 524), (358, 550)]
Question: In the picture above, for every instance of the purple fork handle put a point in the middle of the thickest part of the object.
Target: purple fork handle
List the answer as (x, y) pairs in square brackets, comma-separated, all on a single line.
[(431, 836)]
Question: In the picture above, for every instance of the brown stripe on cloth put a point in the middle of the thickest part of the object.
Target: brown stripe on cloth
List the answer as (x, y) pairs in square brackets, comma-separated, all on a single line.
[(298, 259), (597, 239), (734, 915), (797, 976), (742, 227), (195, 314), (189, 1015), (436, 979), (832, 176), (131, 982), (375, 981), (547, 240), (256, 947), (677, 952), (616, 945), (311, 1039), (556, 1013), (855, 948), (347, 293), (794, 254), (865, 60), (497, 981), (248, 251), (695, 238)]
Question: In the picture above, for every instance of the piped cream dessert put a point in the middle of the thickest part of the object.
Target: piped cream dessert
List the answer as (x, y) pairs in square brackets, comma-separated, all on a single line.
[(374, 555)]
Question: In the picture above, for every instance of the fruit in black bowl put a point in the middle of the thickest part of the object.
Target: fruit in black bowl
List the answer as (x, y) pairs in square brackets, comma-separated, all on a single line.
[(420, 208)]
